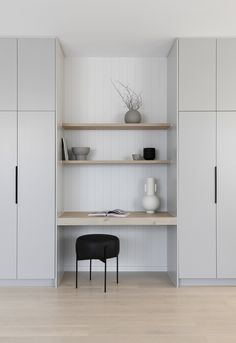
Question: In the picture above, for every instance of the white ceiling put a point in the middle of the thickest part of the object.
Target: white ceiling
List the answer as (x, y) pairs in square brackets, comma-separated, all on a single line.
[(118, 27)]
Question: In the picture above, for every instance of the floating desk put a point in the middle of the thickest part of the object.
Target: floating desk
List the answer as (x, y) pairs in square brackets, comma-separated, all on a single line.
[(134, 219)]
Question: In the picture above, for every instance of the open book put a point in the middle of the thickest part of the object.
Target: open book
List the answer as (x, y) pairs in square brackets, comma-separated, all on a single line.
[(112, 213)]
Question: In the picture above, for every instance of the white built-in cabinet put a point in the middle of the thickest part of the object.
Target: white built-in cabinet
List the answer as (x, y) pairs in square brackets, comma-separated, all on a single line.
[(207, 139), (8, 74), (8, 206), (36, 74), (8, 157), (226, 213), (27, 141), (226, 74), (36, 194), (197, 208), (197, 74)]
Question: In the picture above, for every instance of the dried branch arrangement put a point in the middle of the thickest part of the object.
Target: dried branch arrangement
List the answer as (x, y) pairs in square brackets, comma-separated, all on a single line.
[(131, 99)]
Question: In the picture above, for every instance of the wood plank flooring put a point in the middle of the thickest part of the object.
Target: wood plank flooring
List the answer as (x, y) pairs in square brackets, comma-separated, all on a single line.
[(143, 308)]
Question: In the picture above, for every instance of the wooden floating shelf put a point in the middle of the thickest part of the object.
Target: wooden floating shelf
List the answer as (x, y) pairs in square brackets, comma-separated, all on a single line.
[(92, 162), (116, 126), (134, 218)]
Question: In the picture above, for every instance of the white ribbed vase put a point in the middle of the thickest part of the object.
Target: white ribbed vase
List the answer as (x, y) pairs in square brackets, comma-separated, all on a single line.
[(150, 200)]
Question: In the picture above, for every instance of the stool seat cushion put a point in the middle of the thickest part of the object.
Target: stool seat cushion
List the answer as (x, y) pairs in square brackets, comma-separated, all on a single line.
[(97, 246)]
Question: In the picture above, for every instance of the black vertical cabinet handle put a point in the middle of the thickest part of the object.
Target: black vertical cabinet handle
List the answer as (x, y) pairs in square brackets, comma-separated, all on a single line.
[(215, 185), (16, 185)]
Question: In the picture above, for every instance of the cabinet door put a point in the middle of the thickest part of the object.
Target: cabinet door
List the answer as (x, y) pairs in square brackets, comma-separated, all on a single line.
[(36, 74), (197, 74), (197, 208), (226, 220), (8, 207), (226, 74), (8, 74), (36, 205)]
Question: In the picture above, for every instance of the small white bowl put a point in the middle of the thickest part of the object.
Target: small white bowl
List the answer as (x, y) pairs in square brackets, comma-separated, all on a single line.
[(137, 157), (81, 152)]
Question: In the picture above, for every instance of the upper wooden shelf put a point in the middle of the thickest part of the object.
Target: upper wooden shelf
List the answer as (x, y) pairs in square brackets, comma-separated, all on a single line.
[(116, 126), (134, 218)]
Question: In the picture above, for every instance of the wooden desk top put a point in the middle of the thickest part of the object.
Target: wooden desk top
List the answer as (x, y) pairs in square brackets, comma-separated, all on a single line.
[(134, 219)]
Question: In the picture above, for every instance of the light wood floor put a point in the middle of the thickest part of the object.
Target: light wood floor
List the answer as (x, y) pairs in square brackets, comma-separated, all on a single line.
[(143, 308)]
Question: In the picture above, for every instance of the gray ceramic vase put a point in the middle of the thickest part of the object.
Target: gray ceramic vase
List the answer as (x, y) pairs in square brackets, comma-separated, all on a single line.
[(133, 116)]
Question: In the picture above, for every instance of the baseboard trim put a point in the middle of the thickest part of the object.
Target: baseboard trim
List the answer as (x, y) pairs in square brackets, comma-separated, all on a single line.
[(173, 278), (207, 282), (71, 268), (59, 278), (30, 283)]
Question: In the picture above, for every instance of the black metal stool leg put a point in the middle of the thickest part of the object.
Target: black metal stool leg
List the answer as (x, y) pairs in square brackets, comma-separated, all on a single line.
[(105, 277), (105, 271), (117, 271), (90, 270), (76, 276)]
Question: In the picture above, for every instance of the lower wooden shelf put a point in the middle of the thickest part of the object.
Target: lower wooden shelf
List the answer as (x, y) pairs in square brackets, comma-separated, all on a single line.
[(134, 218), (89, 162)]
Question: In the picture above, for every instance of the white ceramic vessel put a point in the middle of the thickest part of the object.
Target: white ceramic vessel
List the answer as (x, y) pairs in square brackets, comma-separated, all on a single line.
[(133, 116), (150, 200)]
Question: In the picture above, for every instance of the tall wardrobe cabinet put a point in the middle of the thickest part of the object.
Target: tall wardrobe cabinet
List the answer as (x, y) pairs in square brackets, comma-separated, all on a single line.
[(226, 162), (206, 163), (8, 157), (27, 152)]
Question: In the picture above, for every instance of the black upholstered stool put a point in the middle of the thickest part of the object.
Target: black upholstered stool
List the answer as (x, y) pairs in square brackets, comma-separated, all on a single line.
[(97, 247)]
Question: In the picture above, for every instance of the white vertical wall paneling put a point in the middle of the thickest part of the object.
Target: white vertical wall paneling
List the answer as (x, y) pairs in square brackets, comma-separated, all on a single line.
[(172, 115), (226, 162), (8, 207), (36, 74), (8, 74), (197, 74), (36, 205), (90, 97), (226, 74), (142, 248), (197, 210)]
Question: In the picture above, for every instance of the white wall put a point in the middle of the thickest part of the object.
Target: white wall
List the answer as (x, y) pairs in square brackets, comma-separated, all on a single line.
[(90, 97)]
